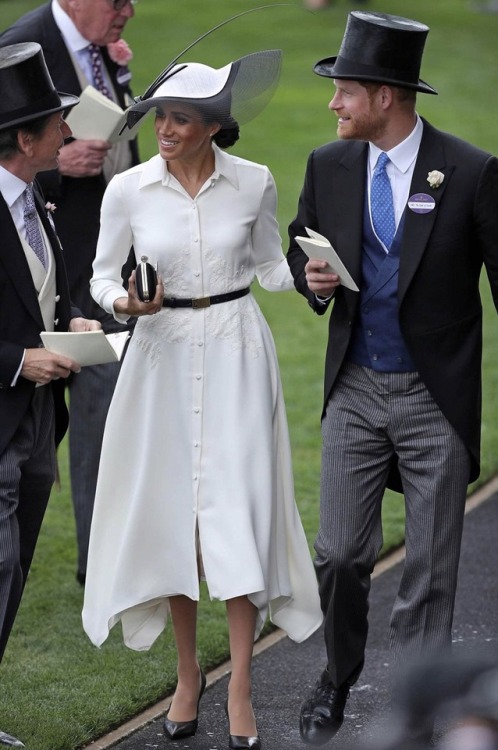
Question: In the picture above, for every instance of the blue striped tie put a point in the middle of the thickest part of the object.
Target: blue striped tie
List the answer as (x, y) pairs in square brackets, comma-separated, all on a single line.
[(381, 203)]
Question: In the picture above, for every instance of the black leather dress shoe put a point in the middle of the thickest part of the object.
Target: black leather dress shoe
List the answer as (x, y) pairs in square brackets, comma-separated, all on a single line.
[(176, 730), (6, 740), (322, 713)]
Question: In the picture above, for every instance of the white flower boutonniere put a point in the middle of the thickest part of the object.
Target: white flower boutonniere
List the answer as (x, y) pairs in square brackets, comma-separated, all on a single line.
[(50, 207), (435, 178)]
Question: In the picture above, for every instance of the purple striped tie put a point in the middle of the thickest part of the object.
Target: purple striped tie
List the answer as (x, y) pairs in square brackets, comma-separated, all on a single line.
[(98, 70), (33, 234)]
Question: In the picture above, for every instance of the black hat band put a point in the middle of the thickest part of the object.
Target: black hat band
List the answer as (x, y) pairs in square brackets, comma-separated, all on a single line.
[(353, 68)]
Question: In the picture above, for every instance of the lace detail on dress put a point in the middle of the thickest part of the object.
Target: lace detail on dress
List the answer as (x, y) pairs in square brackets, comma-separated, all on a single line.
[(237, 322), (152, 331), (222, 277), (175, 278)]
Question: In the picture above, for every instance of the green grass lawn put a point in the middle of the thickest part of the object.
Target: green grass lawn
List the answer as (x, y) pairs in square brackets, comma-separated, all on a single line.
[(58, 691)]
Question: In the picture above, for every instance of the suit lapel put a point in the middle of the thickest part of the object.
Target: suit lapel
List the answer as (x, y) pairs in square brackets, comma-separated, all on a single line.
[(51, 234), (418, 227), (346, 202), (16, 265), (56, 55)]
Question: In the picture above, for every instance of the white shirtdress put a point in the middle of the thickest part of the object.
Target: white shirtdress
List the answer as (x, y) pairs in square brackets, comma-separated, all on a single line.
[(196, 450)]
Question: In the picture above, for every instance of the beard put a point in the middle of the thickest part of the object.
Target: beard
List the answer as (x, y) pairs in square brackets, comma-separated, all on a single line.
[(364, 127)]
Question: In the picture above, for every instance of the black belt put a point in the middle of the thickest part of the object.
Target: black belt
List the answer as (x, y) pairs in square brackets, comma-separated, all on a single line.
[(200, 302)]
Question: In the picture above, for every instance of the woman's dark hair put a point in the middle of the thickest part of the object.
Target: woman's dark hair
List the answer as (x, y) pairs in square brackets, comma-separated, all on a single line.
[(230, 131), (226, 137)]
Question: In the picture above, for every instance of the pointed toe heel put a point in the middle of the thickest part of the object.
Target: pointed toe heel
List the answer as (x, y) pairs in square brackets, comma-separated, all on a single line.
[(238, 742), (243, 743), (176, 730)]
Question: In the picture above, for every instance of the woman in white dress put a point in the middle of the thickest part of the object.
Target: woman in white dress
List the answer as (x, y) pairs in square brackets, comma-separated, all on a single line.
[(195, 477)]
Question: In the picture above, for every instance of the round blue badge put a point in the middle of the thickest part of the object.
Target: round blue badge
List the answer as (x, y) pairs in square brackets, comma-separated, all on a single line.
[(421, 203)]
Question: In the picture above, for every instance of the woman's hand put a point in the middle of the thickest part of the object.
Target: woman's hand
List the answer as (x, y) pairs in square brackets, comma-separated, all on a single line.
[(133, 306)]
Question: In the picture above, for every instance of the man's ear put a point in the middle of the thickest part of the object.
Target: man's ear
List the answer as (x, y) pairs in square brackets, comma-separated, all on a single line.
[(25, 142), (386, 96)]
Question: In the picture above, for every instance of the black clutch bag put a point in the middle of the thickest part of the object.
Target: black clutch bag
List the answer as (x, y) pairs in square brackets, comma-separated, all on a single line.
[(145, 280)]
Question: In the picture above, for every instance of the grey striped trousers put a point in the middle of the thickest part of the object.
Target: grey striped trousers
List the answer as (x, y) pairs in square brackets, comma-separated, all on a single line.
[(372, 416), (27, 472)]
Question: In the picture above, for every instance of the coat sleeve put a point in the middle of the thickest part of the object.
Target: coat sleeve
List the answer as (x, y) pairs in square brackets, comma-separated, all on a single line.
[(296, 257)]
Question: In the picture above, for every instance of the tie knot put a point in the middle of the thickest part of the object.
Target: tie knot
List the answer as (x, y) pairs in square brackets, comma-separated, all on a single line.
[(29, 200), (382, 162)]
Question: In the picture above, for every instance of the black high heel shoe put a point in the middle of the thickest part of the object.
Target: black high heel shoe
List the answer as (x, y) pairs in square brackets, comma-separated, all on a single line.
[(239, 742), (176, 730)]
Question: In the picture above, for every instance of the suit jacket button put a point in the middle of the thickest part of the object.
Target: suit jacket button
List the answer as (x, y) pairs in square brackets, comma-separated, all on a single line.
[(57, 297)]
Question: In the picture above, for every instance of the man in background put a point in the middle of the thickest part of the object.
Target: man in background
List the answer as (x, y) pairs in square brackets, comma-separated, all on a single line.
[(34, 297), (79, 39)]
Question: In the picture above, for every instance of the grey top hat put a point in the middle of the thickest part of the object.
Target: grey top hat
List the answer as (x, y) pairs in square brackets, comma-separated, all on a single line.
[(379, 47), (27, 90)]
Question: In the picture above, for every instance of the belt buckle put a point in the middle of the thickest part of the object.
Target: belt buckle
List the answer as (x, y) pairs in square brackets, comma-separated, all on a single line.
[(200, 302)]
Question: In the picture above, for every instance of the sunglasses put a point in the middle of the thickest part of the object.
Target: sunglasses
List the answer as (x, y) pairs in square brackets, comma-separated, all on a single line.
[(120, 4)]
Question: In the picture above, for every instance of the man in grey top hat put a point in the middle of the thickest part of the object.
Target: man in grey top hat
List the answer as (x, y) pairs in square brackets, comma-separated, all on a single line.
[(35, 297), (411, 212)]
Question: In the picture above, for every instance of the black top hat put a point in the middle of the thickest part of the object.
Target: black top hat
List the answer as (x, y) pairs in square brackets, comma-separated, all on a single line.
[(27, 89), (379, 47)]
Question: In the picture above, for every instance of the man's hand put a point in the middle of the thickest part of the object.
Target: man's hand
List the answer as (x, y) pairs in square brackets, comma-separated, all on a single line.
[(132, 305), (81, 158), (42, 366), (77, 325), (321, 283)]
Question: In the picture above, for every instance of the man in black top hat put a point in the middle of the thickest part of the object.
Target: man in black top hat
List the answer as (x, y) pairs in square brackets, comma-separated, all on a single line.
[(34, 297), (411, 212), (82, 45)]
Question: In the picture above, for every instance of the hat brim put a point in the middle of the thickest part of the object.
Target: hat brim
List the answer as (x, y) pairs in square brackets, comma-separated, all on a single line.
[(327, 68), (67, 101), (238, 92)]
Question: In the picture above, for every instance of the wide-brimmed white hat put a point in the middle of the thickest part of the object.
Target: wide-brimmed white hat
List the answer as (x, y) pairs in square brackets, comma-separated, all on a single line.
[(237, 91)]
